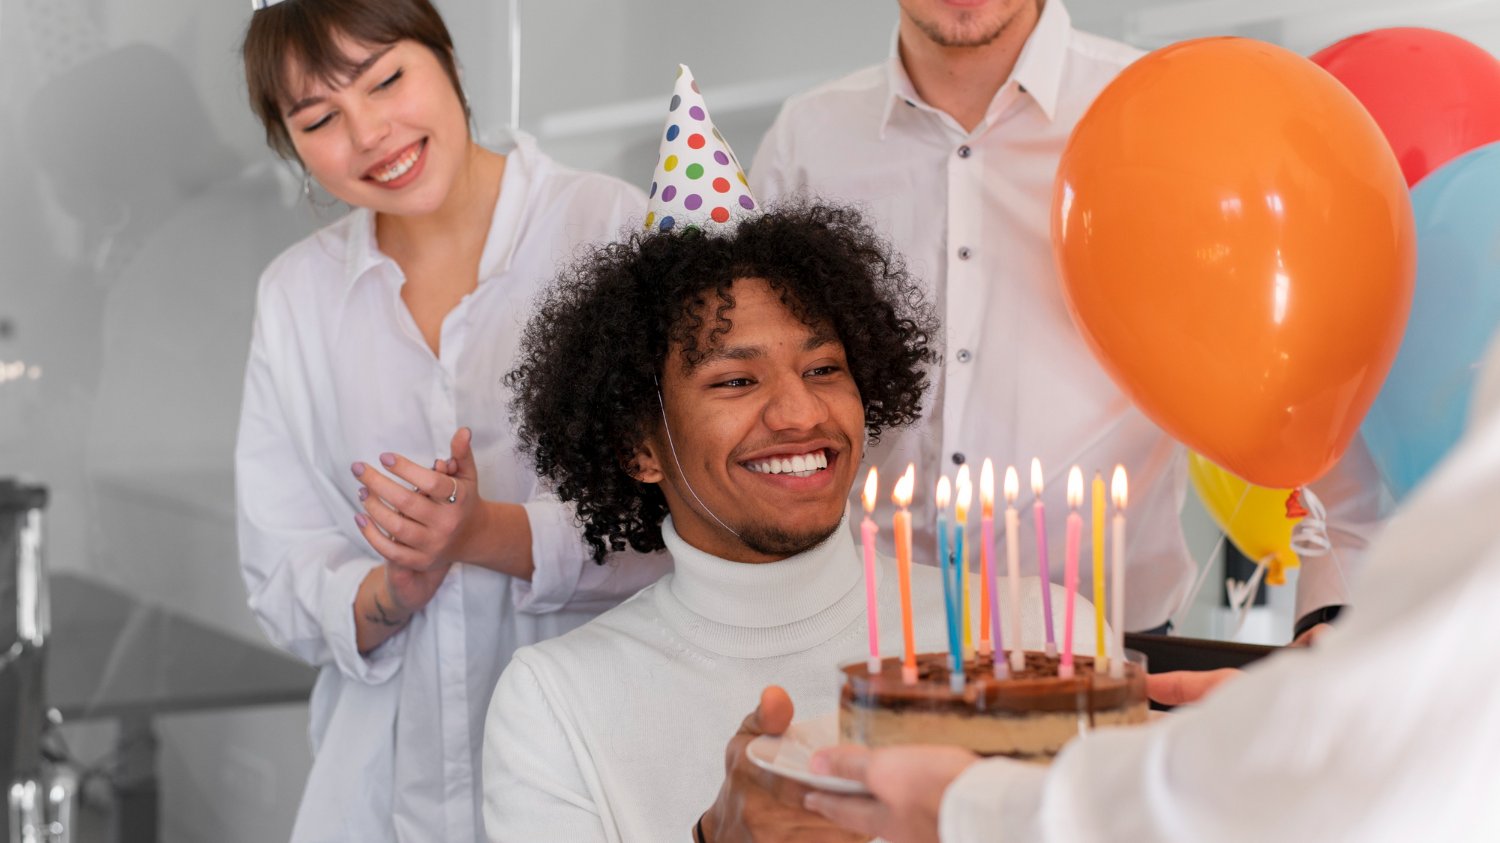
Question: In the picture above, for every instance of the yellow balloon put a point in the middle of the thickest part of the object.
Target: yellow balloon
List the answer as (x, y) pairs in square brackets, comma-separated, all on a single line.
[(1253, 517)]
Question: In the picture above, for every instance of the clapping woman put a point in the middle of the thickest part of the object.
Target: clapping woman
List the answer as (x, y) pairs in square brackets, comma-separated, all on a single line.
[(389, 533)]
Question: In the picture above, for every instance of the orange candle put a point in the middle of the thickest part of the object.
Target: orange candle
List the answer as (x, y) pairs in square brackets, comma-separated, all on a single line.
[(901, 497)]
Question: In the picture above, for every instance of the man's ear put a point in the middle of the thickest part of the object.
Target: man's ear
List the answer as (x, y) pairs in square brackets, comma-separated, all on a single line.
[(645, 465)]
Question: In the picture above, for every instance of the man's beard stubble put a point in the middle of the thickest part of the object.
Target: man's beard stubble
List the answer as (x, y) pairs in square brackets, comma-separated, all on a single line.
[(770, 540), (958, 35)]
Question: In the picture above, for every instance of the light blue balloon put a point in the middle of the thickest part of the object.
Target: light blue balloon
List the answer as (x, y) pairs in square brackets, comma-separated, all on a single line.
[(1420, 411)]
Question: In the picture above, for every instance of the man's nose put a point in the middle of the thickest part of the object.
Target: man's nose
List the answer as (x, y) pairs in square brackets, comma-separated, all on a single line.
[(795, 406)]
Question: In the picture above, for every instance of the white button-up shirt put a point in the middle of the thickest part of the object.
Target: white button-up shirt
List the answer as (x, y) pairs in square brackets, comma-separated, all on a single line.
[(1387, 730), (339, 372), (970, 213)]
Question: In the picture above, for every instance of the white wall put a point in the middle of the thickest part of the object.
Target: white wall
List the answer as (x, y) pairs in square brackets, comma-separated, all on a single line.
[(138, 206)]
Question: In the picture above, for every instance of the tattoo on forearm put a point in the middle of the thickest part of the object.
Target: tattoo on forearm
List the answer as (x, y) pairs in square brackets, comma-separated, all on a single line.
[(380, 615)]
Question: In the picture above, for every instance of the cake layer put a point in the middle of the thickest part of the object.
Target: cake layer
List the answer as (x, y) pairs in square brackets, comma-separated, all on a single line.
[(1037, 736), (1035, 688), (1030, 714)]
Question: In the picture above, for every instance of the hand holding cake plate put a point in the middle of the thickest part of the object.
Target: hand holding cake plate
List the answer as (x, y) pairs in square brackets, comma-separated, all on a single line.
[(789, 755)]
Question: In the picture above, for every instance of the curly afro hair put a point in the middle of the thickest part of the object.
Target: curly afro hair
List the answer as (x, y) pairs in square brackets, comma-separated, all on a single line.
[(585, 385)]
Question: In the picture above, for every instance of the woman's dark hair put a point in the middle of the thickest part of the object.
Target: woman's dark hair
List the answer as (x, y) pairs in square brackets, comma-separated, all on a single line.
[(585, 384), (307, 32)]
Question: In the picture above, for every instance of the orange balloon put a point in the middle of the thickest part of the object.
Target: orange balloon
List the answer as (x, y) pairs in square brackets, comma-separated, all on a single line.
[(1236, 245)]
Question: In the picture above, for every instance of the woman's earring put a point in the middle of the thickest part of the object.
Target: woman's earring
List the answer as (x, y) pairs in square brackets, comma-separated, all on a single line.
[(307, 185)]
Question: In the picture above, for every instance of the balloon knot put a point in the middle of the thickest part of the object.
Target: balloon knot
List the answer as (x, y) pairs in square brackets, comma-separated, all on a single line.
[(1294, 507)]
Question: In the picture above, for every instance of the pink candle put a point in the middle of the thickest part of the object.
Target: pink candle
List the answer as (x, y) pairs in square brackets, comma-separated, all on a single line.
[(867, 530), (1043, 569), (1070, 572)]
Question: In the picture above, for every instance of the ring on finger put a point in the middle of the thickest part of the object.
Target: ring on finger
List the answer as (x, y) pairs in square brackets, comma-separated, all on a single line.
[(453, 498)]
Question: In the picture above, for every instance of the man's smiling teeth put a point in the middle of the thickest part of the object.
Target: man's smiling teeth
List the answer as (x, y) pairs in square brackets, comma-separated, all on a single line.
[(399, 167), (801, 465)]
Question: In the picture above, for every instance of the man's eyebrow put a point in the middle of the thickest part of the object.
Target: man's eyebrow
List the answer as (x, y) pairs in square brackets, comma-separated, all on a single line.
[(733, 352), (358, 71), (820, 339), (755, 352)]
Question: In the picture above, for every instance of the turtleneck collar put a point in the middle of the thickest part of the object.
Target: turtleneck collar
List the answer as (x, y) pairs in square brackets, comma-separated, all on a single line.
[(774, 608)]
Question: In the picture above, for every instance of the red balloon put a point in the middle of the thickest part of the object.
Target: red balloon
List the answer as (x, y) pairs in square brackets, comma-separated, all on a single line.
[(1434, 95)]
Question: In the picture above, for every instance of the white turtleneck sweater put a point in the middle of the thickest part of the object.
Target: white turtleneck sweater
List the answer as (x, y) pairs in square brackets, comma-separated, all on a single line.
[(616, 731)]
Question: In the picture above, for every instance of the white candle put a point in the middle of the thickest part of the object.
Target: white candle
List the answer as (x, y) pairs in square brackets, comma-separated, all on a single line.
[(1013, 568), (1117, 571)]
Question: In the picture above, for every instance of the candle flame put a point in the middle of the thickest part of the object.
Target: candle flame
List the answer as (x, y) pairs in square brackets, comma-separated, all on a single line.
[(872, 488), (962, 478), (1036, 476), (944, 492), (901, 495), (1012, 485), (987, 488), (1075, 487), (965, 495), (1118, 487)]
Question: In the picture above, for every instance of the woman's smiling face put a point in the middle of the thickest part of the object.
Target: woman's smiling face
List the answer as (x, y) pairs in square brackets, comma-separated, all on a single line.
[(393, 138)]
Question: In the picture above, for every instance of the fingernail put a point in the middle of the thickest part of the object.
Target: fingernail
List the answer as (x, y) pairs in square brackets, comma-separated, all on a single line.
[(363, 493), (358, 468), (387, 460), (361, 520), (437, 465)]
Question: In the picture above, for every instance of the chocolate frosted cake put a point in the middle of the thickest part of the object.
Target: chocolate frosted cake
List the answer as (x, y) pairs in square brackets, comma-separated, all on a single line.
[(1027, 715)]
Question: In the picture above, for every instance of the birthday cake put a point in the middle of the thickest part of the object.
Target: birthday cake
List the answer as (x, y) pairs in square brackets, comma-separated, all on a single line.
[(1029, 714)]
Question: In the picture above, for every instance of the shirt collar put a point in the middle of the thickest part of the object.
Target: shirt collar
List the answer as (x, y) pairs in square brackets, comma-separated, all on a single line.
[(772, 594), (523, 164), (1038, 69)]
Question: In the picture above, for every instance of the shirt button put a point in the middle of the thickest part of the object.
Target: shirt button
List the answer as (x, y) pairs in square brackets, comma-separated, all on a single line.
[(958, 459), (964, 151), (964, 253), (964, 356)]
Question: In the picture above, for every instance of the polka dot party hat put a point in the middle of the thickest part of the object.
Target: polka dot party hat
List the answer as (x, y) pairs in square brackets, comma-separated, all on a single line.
[(698, 181)]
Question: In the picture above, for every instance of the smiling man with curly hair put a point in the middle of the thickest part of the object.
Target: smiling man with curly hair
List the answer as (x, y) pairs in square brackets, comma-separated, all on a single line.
[(710, 392), (651, 323)]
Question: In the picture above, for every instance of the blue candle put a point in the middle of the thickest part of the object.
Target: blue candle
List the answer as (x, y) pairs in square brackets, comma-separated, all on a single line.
[(949, 569)]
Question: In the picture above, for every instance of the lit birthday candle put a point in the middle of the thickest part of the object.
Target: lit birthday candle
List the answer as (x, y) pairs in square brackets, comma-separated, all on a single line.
[(1117, 571), (1013, 567), (987, 646), (867, 530), (952, 612), (964, 495), (1096, 500), (986, 551), (901, 497), (1043, 569), (1070, 571)]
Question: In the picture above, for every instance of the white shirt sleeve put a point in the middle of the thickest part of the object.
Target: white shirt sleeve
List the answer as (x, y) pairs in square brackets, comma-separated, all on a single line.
[(301, 570), (565, 576), (772, 175), (1383, 731), (1357, 503), (534, 785)]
